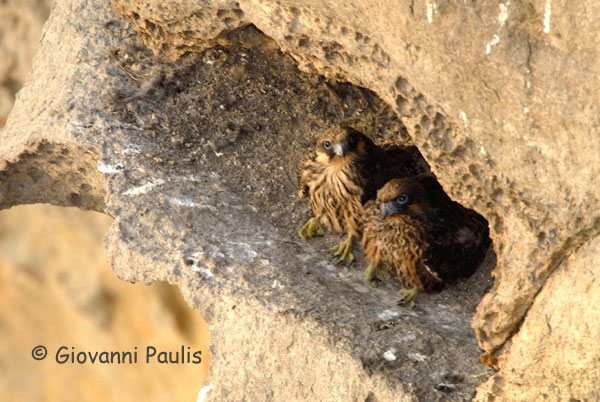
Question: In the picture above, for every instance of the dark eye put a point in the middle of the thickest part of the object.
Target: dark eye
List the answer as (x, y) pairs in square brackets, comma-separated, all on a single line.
[(326, 144), (402, 199), (352, 140)]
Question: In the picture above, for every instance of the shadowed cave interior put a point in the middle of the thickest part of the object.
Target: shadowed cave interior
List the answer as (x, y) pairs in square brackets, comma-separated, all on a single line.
[(245, 111)]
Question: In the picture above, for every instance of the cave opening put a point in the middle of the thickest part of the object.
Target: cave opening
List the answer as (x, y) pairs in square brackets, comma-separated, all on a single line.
[(243, 109)]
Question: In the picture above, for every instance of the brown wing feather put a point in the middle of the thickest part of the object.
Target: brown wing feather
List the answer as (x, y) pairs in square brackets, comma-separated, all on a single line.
[(301, 175), (459, 242)]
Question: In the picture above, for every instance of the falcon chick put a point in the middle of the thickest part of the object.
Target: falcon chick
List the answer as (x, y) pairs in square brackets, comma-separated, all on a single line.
[(421, 236), (343, 171)]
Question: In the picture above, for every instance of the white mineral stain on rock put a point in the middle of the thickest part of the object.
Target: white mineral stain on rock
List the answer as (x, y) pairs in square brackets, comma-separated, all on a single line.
[(495, 40), (248, 251), (328, 266), (109, 169), (130, 151), (190, 203), (417, 357), (503, 16), (390, 355), (242, 250), (547, 15), (407, 338), (388, 315), (204, 272), (430, 8), (184, 202), (145, 188), (192, 178), (203, 392)]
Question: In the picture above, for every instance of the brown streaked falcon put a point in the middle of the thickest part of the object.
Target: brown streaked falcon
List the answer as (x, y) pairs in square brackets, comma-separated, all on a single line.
[(422, 237), (341, 172)]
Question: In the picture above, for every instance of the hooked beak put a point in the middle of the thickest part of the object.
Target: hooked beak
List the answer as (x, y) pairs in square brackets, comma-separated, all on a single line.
[(389, 209), (341, 148)]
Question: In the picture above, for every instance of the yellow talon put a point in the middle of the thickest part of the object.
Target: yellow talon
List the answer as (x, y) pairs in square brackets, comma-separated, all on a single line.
[(408, 297), (308, 230), (371, 275), (344, 249)]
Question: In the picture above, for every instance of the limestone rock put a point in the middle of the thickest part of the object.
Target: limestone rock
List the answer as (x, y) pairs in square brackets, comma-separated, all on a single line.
[(20, 28), (497, 97), (494, 97), (555, 353), (162, 146)]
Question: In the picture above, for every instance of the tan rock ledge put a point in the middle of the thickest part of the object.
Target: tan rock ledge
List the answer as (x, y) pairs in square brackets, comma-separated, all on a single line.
[(195, 159)]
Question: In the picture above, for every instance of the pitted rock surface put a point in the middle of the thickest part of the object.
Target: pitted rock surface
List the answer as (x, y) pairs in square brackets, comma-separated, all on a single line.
[(195, 157)]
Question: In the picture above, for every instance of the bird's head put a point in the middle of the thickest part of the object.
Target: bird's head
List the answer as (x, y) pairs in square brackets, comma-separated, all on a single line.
[(340, 145), (403, 197)]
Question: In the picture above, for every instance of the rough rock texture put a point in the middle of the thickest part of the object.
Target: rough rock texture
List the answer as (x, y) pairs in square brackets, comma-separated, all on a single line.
[(168, 142), (20, 27), (498, 97), (58, 290), (500, 100), (57, 287), (560, 332)]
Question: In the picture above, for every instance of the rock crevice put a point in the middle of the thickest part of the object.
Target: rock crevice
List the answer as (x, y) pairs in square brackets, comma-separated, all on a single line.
[(498, 98)]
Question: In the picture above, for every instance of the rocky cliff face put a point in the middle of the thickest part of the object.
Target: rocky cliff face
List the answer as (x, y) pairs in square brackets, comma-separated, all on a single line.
[(20, 27), (499, 98), (57, 288)]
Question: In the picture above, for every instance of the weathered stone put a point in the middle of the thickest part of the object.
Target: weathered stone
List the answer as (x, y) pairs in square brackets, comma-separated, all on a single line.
[(498, 98), (58, 173), (495, 96), (555, 353), (20, 27), (171, 140)]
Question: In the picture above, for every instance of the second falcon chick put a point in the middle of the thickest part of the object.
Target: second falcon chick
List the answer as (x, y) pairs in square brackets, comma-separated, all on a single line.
[(343, 171), (423, 237)]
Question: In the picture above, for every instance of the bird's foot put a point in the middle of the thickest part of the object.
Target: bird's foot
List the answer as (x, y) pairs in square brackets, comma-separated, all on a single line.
[(308, 230), (371, 275), (344, 249), (408, 297)]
